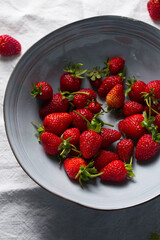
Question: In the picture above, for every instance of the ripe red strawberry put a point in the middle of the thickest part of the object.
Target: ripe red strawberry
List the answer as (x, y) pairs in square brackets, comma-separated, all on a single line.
[(125, 149), (94, 107), (115, 97), (71, 79), (95, 77), (107, 84), (72, 133), (131, 108), (103, 158), (55, 104), (146, 148), (9, 46), (115, 65), (50, 143), (78, 121), (135, 90), (109, 136), (131, 126), (116, 171), (42, 91), (153, 88), (80, 100), (90, 143), (57, 123), (157, 122), (154, 109), (153, 7)]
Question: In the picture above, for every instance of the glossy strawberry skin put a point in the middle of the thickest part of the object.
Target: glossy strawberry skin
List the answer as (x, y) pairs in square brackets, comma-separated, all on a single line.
[(115, 172), (125, 149), (107, 84), (46, 90), (131, 126), (50, 143), (116, 65), (70, 83), (153, 7), (55, 104), (157, 122), (96, 84), (115, 97), (57, 123), (72, 166), (156, 86), (146, 148), (90, 143), (74, 133), (94, 107), (109, 136), (136, 92), (9, 46), (80, 100), (131, 108), (103, 158), (78, 121)]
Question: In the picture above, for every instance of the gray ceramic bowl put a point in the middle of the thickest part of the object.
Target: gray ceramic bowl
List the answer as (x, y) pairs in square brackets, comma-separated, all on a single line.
[(90, 42)]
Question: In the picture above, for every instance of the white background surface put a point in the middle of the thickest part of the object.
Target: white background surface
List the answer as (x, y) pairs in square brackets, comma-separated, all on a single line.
[(26, 210)]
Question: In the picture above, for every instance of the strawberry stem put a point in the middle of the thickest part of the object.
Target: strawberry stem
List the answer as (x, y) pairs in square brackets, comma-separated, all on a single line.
[(39, 128), (75, 70)]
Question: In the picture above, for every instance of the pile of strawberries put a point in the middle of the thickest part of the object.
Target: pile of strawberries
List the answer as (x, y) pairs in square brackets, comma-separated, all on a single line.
[(73, 131)]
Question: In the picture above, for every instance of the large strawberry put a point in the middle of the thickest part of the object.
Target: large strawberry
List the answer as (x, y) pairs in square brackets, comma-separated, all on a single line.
[(109, 136), (56, 104), (146, 148), (125, 149), (115, 97), (153, 7), (57, 123), (42, 90), (103, 158), (81, 99), (131, 126), (153, 89), (90, 143), (131, 108), (9, 46), (116, 171), (107, 84), (115, 65), (71, 79), (51, 143)]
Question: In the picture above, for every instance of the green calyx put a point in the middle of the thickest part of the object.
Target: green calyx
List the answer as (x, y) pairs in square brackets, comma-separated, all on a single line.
[(122, 74), (96, 123), (150, 95), (95, 73), (86, 173), (70, 95), (36, 90), (128, 167), (74, 70), (129, 84), (39, 129)]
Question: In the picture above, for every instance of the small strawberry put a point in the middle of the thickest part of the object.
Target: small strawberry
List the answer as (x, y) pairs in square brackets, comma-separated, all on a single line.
[(90, 143), (116, 171), (9, 46), (131, 126), (153, 7), (116, 65), (115, 97), (157, 122), (94, 107), (109, 136), (71, 79), (42, 91), (77, 169), (72, 133), (135, 90), (125, 149), (56, 104), (57, 123), (95, 76), (78, 121), (153, 89), (146, 148), (131, 108), (103, 158), (51, 143), (107, 84), (81, 99)]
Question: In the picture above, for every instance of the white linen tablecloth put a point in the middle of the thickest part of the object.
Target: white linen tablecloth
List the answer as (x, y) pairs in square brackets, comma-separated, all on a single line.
[(26, 210)]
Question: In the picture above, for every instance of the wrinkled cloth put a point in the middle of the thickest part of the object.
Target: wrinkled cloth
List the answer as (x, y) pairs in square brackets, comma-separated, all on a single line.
[(26, 210)]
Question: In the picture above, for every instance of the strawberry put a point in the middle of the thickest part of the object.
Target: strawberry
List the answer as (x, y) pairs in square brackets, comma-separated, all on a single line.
[(78, 121), (107, 84), (116, 171), (116, 65), (90, 143), (103, 158), (153, 7), (55, 104), (131, 126), (135, 90), (71, 79), (9, 46), (153, 88), (50, 143), (77, 169), (95, 77), (125, 149), (146, 148), (72, 133), (109, 136), (115, 97), (42, 91), (157, 122), (80, 100), (57, 123), (94, 107), (131, 108), (155, 109)]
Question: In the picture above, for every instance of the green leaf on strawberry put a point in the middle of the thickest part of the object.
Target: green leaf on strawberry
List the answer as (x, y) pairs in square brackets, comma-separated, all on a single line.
[(74, 70)]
